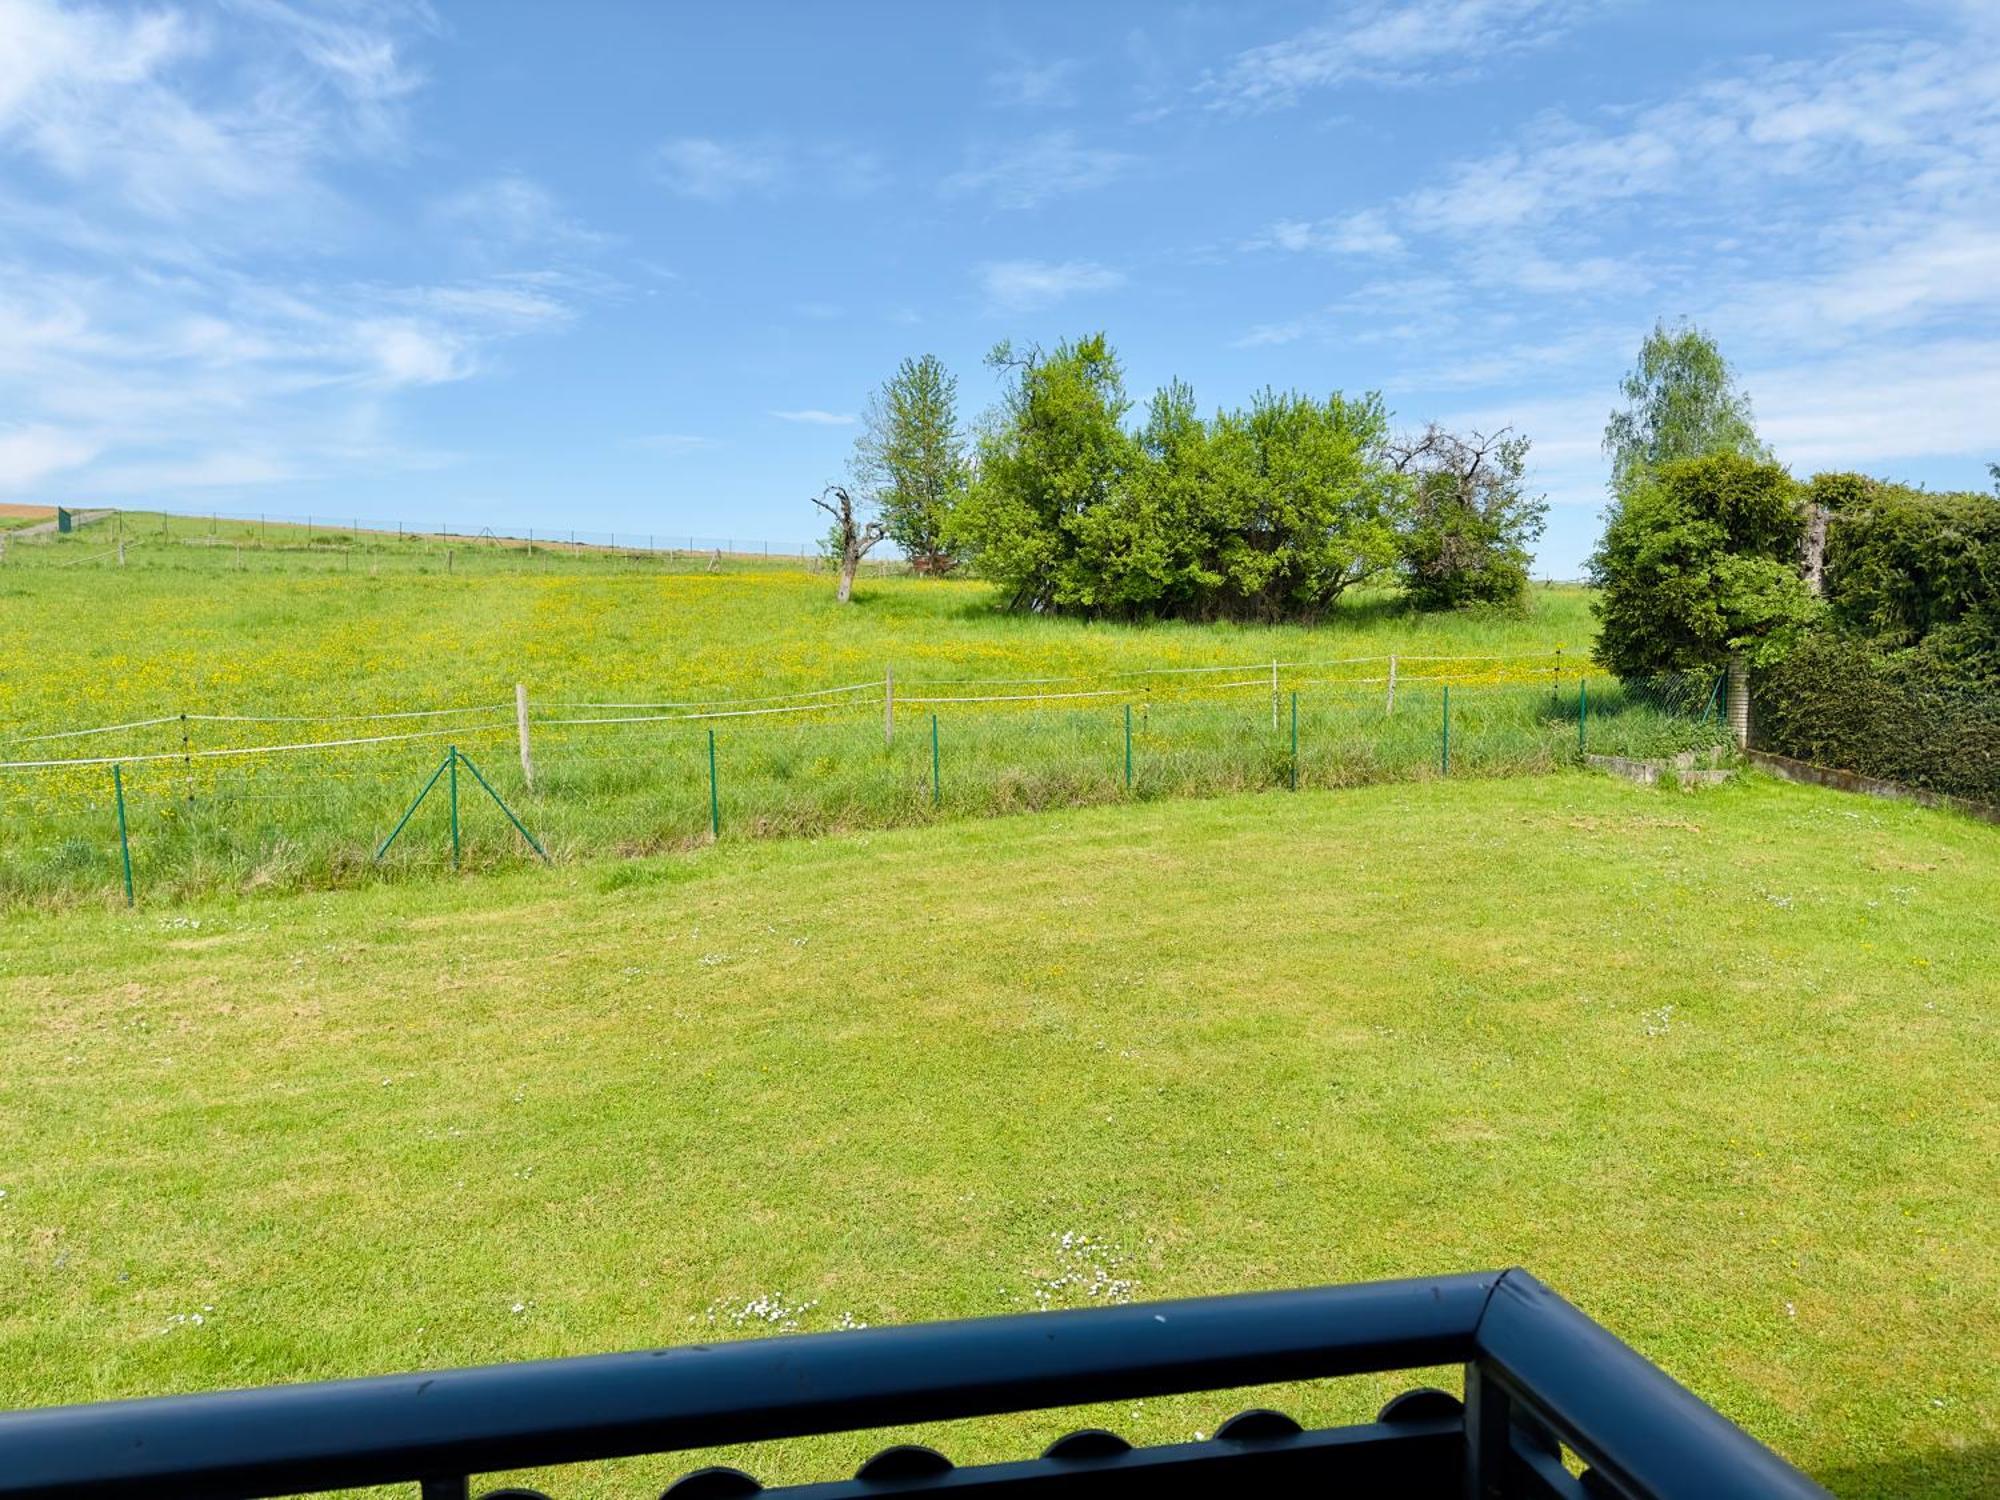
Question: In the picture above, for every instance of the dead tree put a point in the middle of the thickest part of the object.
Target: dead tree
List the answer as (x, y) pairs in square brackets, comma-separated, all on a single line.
[(853, 536)]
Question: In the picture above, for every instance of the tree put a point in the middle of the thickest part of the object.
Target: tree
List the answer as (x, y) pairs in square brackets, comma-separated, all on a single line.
[(1698, 568), (1302, 507), (1471, 524), (1054, 455), (1682, 402), (849, 537), (910, 460)]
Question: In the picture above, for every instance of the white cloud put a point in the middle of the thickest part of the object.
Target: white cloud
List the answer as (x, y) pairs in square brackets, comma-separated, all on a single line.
[(1025, 285), (158, 171), (812, 416), (1052, 165), (29, 455), (1421, 41)]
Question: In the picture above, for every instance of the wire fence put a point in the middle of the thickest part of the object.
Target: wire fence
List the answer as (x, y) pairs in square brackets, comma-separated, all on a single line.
[(178, 805), (117, 538)]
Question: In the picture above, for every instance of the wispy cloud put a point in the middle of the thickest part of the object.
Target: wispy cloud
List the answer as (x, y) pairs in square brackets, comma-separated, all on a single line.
[(1026, 285), (701, 167), (1366, 232), (157, 331), (1035, 85), (715, 170), (812, 416), (1418, 41), (1053, 165)]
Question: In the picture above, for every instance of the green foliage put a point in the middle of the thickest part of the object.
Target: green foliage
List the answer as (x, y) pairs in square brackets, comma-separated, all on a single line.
[(1913, 716), (1057, 453), (1697, 562), (1470, 524), (1682, 402), (1266, 513), (910, 460), (1906, 568)]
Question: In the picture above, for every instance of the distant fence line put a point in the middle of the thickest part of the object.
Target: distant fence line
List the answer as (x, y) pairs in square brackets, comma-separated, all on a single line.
[(124, 522)]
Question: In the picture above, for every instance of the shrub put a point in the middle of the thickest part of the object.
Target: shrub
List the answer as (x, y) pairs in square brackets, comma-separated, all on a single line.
[(1914, 717), (1906, 568)]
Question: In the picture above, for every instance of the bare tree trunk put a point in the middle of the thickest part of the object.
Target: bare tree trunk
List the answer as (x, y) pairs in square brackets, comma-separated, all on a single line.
[(850, 561), (1812, 560), (1737, 703)]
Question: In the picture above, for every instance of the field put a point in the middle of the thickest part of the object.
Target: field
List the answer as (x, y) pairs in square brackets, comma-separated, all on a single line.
[(633, 660), (1718, 1066)]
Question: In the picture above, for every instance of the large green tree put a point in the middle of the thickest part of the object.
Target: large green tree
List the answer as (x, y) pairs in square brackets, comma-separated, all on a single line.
[(1050, 460), (910, 460), (1681, 401), (1698, 568)]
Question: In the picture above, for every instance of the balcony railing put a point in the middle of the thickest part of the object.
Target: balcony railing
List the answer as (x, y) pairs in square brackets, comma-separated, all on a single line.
[(1542, 1383)]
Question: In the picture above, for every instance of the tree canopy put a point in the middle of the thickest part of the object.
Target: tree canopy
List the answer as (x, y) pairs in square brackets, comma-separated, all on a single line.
[(910, 461), (1682, 401), (1269, 511), (1699, 562)]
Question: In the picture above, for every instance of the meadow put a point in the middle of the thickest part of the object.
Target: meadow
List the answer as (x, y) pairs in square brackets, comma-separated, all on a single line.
[(405, 645), (1717, 1065)]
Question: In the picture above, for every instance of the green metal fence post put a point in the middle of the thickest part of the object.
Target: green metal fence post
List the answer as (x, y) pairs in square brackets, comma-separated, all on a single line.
[(714, 801), (124, 841), (1128, 747), (1295, 739), (451, 760), (411, 811), (1444, 762), (1582, 712), (519, 827), (937, 796)]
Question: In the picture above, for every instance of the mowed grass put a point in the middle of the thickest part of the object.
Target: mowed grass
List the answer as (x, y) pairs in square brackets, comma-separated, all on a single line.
[(1718, 1066)]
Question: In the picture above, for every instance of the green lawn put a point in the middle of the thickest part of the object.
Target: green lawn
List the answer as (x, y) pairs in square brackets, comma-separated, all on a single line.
[(1718, 1066)]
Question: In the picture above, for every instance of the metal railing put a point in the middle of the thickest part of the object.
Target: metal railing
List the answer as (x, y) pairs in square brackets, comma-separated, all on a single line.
[(1540, 1378)]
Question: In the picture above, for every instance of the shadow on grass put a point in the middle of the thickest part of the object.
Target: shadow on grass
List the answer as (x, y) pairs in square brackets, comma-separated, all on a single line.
[(1943, 1474)]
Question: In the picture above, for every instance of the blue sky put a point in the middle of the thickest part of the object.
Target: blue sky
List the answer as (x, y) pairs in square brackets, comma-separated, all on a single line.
[(636, 267)]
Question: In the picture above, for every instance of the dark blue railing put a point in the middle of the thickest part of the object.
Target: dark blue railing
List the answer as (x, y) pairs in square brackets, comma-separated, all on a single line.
[(1541, 1381)]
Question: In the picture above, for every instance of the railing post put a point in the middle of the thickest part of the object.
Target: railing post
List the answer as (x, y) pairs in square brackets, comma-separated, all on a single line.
[(1128, 747), (1295, 739), (451, 760), (1391, 709), (888, 706), (1582, 712), (1488, 1437), (937, 795)]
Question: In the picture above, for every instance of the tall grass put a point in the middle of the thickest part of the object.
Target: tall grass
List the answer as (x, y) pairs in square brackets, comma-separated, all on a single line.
[(317, 819)]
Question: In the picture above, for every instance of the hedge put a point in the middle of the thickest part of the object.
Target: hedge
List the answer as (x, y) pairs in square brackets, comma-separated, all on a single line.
[(1908, 717)]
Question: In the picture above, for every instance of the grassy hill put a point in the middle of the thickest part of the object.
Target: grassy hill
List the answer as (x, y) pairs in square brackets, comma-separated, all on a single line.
[(1718, 1066)]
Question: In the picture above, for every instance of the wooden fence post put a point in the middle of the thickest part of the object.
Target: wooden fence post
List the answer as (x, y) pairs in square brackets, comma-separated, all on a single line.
[(1392, 683), (521, 719), (888, 706)]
